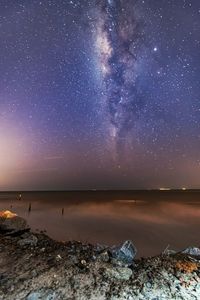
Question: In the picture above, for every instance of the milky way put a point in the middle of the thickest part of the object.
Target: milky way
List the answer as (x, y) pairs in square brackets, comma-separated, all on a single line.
[(119, 41), (99, 94)]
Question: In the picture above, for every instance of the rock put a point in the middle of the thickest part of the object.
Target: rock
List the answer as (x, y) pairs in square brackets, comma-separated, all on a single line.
[(123, 255), (58, 257), (74, 259), (7, 214), (101, 247), (83, 262), (192, 251), (118, 273), (13, 224), (29, 241), (103, 257), (148, 284), (34, 273), (168, 251), (42, 295)]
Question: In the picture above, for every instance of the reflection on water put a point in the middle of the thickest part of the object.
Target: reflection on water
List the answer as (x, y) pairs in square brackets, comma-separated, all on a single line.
[(151, 220)]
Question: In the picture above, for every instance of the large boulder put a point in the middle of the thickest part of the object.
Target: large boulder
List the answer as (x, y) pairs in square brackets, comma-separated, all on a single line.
[(12, 224)]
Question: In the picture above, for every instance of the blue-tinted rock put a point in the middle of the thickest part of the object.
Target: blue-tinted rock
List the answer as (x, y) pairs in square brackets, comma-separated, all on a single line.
[(124, 255), (192, 251), (42, 295)]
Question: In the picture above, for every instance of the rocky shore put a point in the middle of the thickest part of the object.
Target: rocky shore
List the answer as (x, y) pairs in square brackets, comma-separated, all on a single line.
[(33, 267)]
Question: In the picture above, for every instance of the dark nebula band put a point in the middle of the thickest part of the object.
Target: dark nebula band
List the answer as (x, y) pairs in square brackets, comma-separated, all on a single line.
[(119, 41)]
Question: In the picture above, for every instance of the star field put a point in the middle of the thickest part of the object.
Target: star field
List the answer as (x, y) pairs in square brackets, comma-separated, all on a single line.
[(99, 94)]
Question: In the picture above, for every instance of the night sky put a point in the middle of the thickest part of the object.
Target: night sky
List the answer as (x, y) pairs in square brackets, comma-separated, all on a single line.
[(99, 94)]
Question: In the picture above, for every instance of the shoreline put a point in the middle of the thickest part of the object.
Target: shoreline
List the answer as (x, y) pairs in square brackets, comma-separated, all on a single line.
[(33, 266)]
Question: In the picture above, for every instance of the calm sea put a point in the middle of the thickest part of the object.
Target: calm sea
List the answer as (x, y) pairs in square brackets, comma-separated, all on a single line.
[(151, 219)]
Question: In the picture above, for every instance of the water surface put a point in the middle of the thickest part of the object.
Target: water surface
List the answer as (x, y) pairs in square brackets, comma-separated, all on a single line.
[(152, 220)]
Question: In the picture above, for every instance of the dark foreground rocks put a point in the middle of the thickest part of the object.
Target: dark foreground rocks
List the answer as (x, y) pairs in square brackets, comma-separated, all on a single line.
[(12, 224), (33, 267)]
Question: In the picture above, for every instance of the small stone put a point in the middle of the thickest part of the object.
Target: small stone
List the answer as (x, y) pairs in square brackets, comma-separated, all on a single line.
[(148, 285), (58, 257), (103, 257), (100, 247), (12, 288), (74, 259), (83, 262), (169, 252), (30, 241), (34, 273)]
